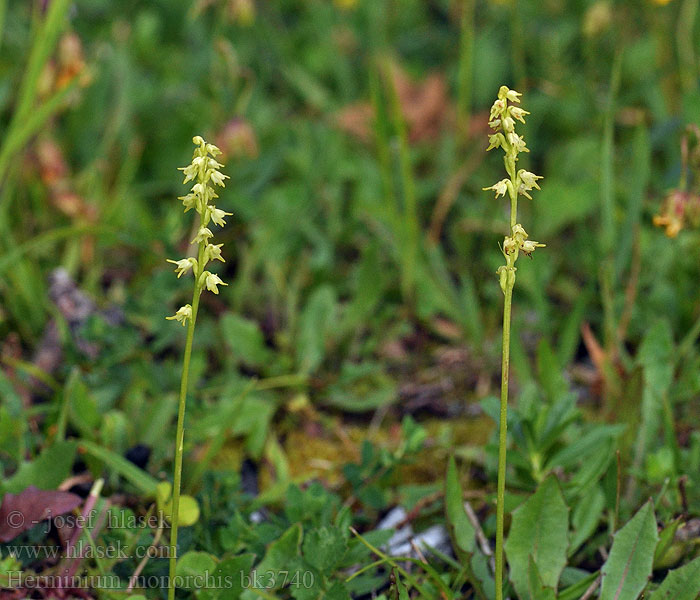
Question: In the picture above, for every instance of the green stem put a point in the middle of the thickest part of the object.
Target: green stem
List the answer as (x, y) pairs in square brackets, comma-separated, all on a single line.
[(502, 432), (503, 420), (180, 431)]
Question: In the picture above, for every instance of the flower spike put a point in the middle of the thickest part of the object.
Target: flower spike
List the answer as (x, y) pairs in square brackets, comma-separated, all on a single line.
[(502, 119)]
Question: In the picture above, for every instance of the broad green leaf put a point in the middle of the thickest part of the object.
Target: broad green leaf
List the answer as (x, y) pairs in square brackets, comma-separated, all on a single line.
[(234, 572), (361, 387), (680, 584), (324, 548), (252, 419), (315, 326), (656, 356), (46, 471), (282, 552), (666, 541), (114, 431), (549, 371), (195, 568), (656, 359), (461, 528), (370, 285), (629, 565), (540, 529), (11, 431), (585, 517), (82, 406), (157, 413), (536, 589), (245, 340), (337, 591), (189, 508)]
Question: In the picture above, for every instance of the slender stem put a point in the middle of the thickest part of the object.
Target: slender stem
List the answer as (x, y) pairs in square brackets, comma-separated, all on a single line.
[(505, 370), (180, 431), (502, 432)]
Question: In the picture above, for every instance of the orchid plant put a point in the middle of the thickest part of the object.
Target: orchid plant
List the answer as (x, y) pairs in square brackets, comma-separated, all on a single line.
[(504, 114), (204, 171)]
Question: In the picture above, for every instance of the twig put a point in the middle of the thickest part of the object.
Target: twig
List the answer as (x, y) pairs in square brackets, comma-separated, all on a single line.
[(418, 552), (144, 560), (88, 507), (591, 588), (480, 536)]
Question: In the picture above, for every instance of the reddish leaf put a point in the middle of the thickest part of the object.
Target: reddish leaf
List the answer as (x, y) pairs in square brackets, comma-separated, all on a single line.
[(30, 507)]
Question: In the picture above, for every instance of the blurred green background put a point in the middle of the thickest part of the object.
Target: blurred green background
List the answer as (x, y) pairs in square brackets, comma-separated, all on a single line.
[(362, 253)]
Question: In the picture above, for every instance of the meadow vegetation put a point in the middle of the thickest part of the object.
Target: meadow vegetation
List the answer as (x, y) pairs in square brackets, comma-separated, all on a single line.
[(361, 311)]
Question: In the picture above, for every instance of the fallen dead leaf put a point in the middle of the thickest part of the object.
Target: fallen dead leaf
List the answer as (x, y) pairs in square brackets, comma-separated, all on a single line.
[(22, 511)]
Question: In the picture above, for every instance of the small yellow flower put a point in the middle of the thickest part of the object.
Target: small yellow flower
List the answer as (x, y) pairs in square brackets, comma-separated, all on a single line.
[(519, 232), (496, 141), (183, 315), (500, 187), (529, 246), (218, 178), (528, 181), (510, 245), (184, 265), (203, 235), (217, 216), (213, 252), (518, 113), (211, 281)]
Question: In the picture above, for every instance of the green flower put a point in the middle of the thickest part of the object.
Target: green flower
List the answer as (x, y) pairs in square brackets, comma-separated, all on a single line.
[(183, 315), (500, 187), (528, 181), (218, 178), (211, 281), (496, 141), (213, 252), (184, 265), (518, 113), (203, 236), (217, 216), (529, 246)]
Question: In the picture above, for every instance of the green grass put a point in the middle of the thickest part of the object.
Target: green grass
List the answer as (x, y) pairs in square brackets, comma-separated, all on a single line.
[(358, 342)]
